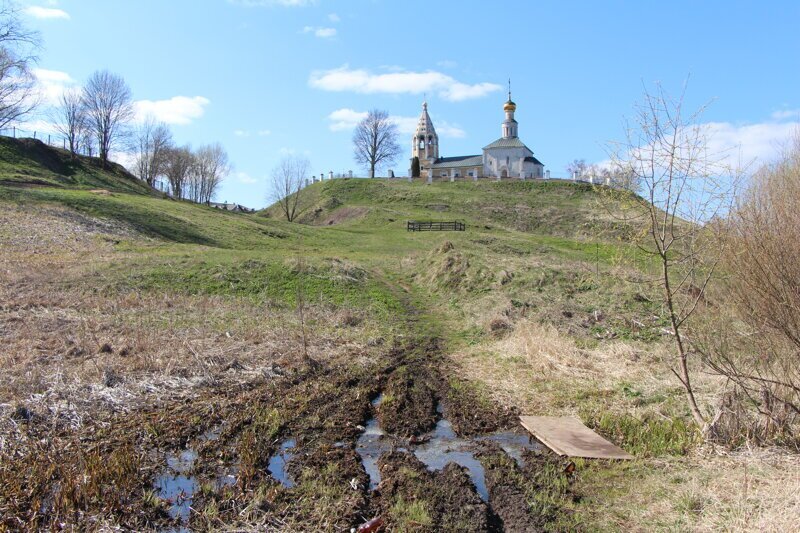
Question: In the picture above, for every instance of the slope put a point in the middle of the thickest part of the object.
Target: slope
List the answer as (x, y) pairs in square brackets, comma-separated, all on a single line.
[(28, 162)]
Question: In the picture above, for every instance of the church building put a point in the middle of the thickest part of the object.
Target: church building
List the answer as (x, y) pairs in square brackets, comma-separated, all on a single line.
[(507, 157)]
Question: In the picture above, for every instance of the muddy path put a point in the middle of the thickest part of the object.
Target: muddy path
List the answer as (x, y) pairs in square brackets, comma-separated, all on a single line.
[(324, 447)]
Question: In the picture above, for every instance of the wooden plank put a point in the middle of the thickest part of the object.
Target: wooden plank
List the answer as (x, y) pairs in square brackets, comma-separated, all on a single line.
[(568, 436)]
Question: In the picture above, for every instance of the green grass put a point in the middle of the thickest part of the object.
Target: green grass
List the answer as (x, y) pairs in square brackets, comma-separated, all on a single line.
[(31, 162)]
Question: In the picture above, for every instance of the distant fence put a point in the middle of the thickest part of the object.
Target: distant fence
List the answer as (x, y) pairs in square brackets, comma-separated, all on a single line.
[(435, 226), (52, 139)]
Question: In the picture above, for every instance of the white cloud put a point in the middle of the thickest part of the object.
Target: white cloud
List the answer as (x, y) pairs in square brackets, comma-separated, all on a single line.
[(52, 84), (347, 119), (750, 143), (446, 63), (263, 133), (244, 177), (178, 110), (40, 12), (323, 33), (784, 114), (364, 82), (333, 17)]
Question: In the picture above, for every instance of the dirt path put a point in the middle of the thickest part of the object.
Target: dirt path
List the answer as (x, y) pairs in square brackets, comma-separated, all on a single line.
[(280, 451)]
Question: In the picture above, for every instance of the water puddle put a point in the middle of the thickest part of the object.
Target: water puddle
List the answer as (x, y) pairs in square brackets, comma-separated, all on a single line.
[(278, 462), (439, 447), (176, 486)]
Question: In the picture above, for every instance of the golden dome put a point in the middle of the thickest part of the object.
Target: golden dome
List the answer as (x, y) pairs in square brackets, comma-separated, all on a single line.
[(509, 106)]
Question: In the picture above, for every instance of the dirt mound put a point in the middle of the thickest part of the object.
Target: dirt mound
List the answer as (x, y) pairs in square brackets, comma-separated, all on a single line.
[(411, 497), (344, 214)]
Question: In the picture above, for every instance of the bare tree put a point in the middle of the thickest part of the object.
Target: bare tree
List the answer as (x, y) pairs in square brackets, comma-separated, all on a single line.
[(69, 118), (577, 168), (288, 180), (375, 141), (178, 165), (210, 169), (109, 108), (685, 186), (152, 140), (18, 48), (763, 258)]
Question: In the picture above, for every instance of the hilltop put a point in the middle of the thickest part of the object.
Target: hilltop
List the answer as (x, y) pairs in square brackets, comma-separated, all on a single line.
[(177, 330), (31, 162)]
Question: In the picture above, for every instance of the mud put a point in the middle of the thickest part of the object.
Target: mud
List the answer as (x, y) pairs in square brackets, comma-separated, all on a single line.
[(286, 452), (447, 498)]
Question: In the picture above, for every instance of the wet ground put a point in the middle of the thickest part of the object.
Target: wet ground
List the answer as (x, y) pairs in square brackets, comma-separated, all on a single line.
[(325, 447)]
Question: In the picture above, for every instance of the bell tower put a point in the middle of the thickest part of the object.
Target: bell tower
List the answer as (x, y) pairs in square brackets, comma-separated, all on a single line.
[(510, 126), (425, 143)]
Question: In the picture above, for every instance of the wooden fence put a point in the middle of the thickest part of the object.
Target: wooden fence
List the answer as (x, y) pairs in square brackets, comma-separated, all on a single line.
[(435, 226)]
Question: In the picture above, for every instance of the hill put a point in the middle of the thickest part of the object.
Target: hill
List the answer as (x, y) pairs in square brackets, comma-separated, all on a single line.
[(28, 162), (185, 334), (543, 207)]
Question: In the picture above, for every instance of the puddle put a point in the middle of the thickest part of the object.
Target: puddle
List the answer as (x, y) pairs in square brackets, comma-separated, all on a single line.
[(377, 400), (514, 444), (175, 486), (370, 446), (278, 462), (443, 447)]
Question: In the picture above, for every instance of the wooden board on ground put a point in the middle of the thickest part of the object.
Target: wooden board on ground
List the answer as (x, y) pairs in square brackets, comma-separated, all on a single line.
[(568, 436)]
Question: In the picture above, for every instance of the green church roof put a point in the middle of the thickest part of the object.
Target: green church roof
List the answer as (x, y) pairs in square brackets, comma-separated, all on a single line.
[(503, 142)]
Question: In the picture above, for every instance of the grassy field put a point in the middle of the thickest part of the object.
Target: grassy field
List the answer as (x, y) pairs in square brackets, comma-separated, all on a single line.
[(135, 325)]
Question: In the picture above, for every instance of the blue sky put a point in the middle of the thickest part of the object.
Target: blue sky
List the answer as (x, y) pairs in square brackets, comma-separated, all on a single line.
[(270, 77)]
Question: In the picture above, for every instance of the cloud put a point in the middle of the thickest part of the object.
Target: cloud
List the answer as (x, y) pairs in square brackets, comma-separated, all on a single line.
[(323, 33), (406, 82), (750, 143), (347, 119), (263, 133), (178, 110), (271, 3), (244, 177), (333, 17), (46, 13), (51, 84), (784, 114)]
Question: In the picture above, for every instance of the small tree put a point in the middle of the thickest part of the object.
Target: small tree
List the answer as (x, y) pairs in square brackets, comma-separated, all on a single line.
[(69, 118), (152, 140), (288, 180), (109, 108), (415, 171), (211, 167), (577, 168), (685, 186), (375, 141), (18, 48), (178, 165), (763, 257)]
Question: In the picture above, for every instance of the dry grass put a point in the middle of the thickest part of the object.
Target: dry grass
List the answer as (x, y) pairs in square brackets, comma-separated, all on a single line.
[(536, 367), (756, 490), (68, 349)]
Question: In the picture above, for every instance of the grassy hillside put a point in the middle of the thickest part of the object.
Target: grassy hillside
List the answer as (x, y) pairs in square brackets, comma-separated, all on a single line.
[(165, 322), (27, 162), (541, 207)]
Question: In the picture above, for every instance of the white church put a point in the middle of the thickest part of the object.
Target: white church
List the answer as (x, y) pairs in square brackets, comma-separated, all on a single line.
[(507, 157)]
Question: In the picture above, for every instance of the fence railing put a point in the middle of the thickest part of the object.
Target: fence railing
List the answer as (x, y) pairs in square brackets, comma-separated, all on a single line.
[(415, 225), (52, 139)]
